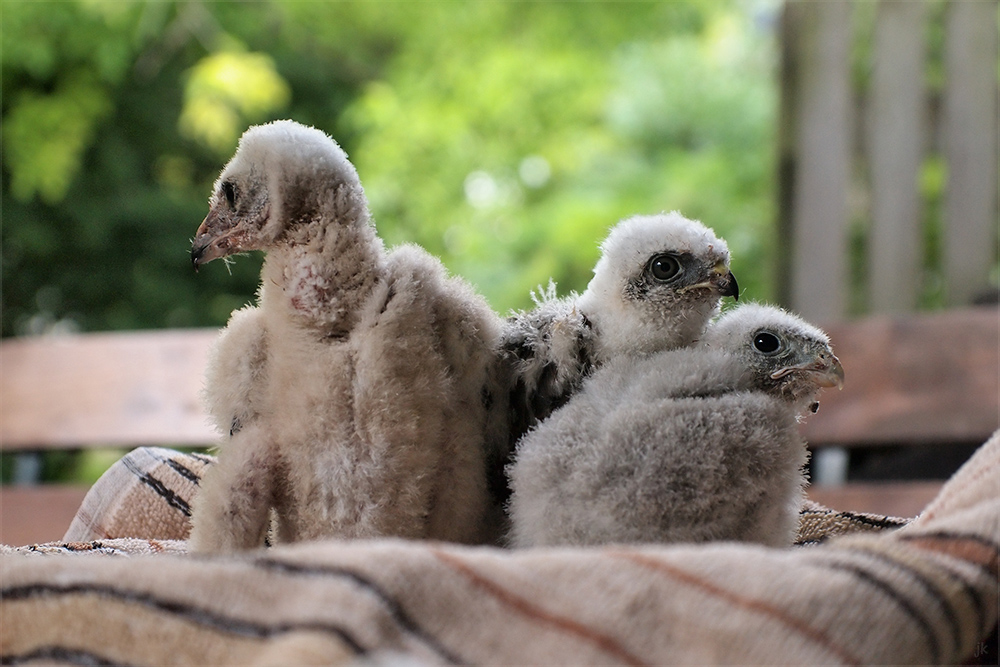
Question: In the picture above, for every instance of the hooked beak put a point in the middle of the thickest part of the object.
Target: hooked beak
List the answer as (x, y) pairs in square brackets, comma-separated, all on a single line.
[(825, 370), (721, 280), (725, 282), (215, 238)]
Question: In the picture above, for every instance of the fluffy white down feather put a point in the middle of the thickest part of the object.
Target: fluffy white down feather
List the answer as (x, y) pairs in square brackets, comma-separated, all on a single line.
[(656, 286), (351, 395), (686, 445)]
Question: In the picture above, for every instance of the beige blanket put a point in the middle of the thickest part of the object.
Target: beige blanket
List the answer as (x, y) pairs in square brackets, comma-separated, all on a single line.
[(148, 494), (927, 592)]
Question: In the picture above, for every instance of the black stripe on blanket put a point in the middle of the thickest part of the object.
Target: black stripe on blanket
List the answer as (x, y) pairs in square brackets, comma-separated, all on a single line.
[(932, 591), (204, 458), (904, 604), (884, 522), (58, 654), (393, 606), (974, 600), (183, 471), (158, 487), (958, 580), (190, 613)]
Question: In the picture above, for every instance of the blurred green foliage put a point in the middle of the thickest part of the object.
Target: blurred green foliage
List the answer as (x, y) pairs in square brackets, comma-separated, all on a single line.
[(504, 137)]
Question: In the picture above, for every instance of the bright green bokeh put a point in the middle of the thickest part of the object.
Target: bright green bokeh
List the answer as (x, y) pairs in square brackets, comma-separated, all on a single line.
[(504, 137)]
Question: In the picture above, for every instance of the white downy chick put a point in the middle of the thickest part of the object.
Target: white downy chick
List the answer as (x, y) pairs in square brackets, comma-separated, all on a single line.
[(687, 445), (352, 392), (656, 286)]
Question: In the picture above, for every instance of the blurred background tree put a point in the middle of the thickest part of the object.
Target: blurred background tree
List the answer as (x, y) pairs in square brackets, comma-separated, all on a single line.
[(504, 137)]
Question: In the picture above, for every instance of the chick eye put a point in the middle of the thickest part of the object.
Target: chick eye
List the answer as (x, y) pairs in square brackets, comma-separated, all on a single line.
[(664, 267), (766, 342), (229, 190)]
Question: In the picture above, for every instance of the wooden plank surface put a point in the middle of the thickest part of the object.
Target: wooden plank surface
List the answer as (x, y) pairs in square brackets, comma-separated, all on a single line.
[(896, 143), (124, 389), (928, 378), (34, 514), (824, 119), (903, 499), (970, 145), (792, 18)]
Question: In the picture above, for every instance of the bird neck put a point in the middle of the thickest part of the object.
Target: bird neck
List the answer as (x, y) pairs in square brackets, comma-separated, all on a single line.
[(321, 282), (623, 328)]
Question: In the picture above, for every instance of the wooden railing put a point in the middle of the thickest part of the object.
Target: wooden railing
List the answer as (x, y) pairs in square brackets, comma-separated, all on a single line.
[(76, 392), (871, 108), (887, 205), (132, 389)]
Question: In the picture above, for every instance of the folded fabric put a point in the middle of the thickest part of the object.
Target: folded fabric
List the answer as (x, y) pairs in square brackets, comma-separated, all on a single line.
[(148, 494), (924, 593)]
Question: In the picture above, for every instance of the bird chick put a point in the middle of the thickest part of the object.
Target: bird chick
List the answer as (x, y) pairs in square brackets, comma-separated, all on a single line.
[(351, 393), (686, 445), (656, 286), (784, 355)]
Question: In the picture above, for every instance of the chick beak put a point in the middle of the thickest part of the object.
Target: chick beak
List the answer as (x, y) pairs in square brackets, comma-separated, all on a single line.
[(725, 281), (825, 371), (721, 280), (830, 372), (215, 238)]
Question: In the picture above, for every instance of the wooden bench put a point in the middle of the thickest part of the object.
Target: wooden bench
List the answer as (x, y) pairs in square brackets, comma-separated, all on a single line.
[(854, 206), (927, 379), (930, 380), (94, 391)]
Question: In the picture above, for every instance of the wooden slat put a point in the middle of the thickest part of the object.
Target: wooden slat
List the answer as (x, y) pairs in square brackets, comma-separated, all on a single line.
[(123, 389), (34, 514), (822, 170), (913, 379), (970, 146), (792, 18), (896, 138), (903, 499)]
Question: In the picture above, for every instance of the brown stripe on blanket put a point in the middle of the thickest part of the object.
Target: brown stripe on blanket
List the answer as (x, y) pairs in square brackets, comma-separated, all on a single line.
[(759, 606), (970, 548), (973, 597), (528, 608), (948, 566)]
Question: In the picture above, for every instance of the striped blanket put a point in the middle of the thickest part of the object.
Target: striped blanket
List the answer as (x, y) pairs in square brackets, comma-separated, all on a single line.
[(148, 493), (926, 591)]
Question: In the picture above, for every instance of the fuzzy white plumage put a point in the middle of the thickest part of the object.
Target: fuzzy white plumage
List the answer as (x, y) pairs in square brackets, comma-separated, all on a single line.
[(352, 393), (687, 445), (656, 286)]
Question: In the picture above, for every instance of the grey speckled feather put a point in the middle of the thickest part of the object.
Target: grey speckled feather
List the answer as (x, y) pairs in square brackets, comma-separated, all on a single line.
[(686, 445), (351, 396)]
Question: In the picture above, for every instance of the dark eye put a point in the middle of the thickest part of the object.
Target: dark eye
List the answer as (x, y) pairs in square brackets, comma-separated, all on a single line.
[(229, 190), (766, 342), (664, 267)]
